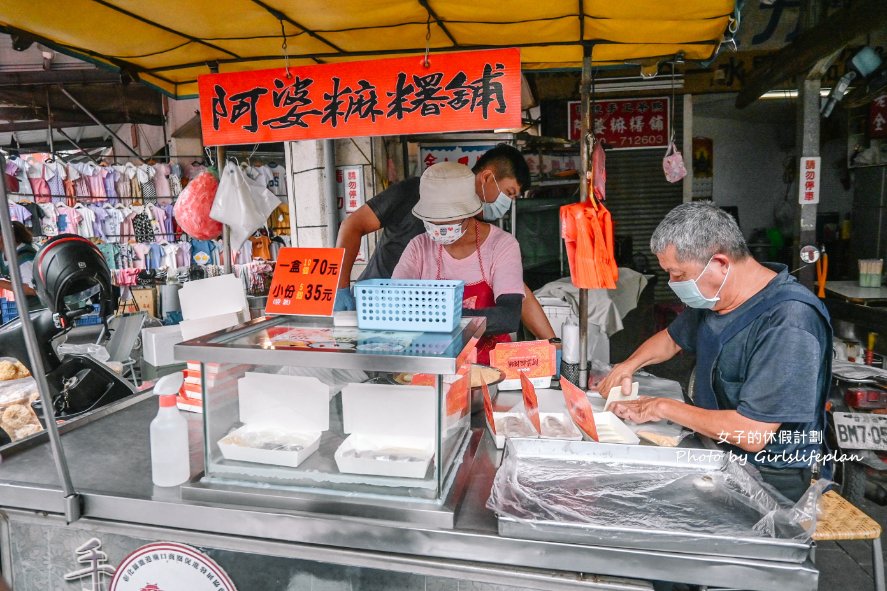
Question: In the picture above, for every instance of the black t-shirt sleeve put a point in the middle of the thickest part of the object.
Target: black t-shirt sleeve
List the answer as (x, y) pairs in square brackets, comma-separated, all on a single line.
[(395, 202), (683, 329), (781, 382)]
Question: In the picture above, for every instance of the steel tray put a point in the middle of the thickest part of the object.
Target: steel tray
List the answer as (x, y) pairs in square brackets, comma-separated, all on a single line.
[(676, 518)]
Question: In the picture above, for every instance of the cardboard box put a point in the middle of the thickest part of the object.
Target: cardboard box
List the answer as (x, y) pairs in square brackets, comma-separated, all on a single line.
[(146, 298), (382, 419), (158, 344), (291, 412)]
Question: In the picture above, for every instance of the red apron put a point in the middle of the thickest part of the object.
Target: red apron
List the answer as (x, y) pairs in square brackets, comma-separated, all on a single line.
[(478, 296)]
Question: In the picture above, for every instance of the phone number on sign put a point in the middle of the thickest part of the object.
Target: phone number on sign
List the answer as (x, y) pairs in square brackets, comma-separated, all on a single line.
[(643, 140)]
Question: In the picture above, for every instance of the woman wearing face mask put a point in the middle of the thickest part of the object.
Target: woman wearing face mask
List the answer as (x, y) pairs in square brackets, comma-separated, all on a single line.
[(456, 245)]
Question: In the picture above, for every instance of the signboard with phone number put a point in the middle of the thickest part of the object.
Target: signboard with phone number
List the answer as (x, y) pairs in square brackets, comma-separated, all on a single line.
[(625, 124), (861, 431)]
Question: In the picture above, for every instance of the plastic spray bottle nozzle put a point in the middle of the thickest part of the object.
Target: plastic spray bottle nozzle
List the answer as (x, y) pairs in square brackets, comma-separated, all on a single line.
[(169, 385), (167, 401)]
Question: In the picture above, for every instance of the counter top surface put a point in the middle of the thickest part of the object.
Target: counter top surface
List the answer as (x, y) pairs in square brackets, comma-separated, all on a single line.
[(851, 290), (109, 460)]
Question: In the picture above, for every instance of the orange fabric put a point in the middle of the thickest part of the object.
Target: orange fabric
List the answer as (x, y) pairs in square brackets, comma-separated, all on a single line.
[(588, 235)]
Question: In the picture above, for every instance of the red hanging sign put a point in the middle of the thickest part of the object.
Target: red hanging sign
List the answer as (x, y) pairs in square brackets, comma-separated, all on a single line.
[(531, 402), (625, 124), (305, 281), (579, 408), (464, 91), (878, 117)]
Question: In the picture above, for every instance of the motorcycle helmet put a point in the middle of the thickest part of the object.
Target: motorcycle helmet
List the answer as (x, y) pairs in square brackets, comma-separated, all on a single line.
[(70, 274)]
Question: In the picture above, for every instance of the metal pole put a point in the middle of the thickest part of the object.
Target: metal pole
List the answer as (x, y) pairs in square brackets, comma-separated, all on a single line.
[(329, 177), (221, 152), (72, 499), (75, 144), (585, 135), (98, 122), (49, 123)]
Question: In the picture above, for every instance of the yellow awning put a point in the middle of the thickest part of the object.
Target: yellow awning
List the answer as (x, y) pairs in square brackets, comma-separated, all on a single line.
[(169, 43)]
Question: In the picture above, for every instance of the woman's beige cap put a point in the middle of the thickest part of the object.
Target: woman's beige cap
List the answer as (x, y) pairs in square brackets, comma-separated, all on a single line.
[(446, 193)]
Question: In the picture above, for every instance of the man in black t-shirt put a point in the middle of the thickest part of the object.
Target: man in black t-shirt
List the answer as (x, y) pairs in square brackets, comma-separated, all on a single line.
[(501, 174)]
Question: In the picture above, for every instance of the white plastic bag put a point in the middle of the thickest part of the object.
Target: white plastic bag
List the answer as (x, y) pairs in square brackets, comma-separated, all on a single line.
[(241, 203), (97, 352)]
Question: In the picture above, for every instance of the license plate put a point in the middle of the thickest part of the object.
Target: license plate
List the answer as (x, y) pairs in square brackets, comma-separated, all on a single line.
[(861, 431)]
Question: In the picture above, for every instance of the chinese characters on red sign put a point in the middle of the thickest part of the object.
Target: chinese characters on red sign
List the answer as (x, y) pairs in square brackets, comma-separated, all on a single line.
[(466, 91), (878, 117), (625, 124), (808, 185), (305, 281)]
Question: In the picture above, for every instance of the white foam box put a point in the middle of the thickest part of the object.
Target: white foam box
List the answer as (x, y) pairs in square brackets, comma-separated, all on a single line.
[(543, 382), (574, 433), (382, 416), (158, 344), (500, 436), (296, 405), (611, 429), (197, 327)]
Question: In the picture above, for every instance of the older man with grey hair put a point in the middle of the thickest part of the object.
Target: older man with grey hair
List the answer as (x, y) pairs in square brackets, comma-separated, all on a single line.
[(762, 343)]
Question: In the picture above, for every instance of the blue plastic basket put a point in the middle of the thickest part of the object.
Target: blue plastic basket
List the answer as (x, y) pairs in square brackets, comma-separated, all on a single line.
[(90, 319), (409, 304)]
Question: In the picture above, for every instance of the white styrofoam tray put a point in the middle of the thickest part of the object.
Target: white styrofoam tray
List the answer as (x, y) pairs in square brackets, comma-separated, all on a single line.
[(501, 434), (419, 447), (309, 442)]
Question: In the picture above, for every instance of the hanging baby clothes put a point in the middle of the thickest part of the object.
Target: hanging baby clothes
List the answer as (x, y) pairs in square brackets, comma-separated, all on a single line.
[(81, 182), (18, 213), (158, 215), (175, 179), (112, 223), (110, 178), (86, 223), (10, 176), (202, 252), (277, 182), (169, 255), (142, 228), (95, 179), (135, 185), (100, 214), (55, 174), (49, 221), (155, 256), (39, 186), (183, 256), (122, 182), (261, 247), (161, 183), (140, 255), (110, 252), (145, 175)]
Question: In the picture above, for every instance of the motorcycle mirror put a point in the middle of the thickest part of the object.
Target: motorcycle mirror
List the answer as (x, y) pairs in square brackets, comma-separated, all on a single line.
[(809, 254)]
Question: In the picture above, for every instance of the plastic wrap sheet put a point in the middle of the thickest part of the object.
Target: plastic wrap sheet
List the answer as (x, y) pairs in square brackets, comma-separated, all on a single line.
[(720, 499)]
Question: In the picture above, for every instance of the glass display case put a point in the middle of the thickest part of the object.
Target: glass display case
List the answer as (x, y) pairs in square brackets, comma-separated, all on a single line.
[(300, 413)]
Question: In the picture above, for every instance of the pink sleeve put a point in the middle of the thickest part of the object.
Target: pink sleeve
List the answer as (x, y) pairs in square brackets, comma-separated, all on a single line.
[(508, 269), (410, 264)]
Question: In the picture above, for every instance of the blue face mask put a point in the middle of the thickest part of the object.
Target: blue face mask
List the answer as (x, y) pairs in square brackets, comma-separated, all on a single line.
[(495, 210), (688, 291)]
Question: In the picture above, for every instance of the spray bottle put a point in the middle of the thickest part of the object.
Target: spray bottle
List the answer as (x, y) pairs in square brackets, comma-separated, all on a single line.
[(170, 464)]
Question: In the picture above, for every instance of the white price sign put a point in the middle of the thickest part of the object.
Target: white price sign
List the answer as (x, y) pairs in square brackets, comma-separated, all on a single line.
[(861, 431)]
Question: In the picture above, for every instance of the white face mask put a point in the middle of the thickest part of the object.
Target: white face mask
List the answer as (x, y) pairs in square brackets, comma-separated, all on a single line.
[(495, 210), (444, 233)]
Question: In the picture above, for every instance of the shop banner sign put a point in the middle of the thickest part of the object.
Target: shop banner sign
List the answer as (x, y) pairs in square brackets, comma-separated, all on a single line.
[(625, 124), (305, 281), (168, 566), (808, 183), (463, 91)]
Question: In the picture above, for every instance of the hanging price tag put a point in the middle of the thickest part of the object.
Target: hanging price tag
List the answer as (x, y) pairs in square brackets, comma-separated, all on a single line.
[(305, 281), (579, 408), (531, 403)]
